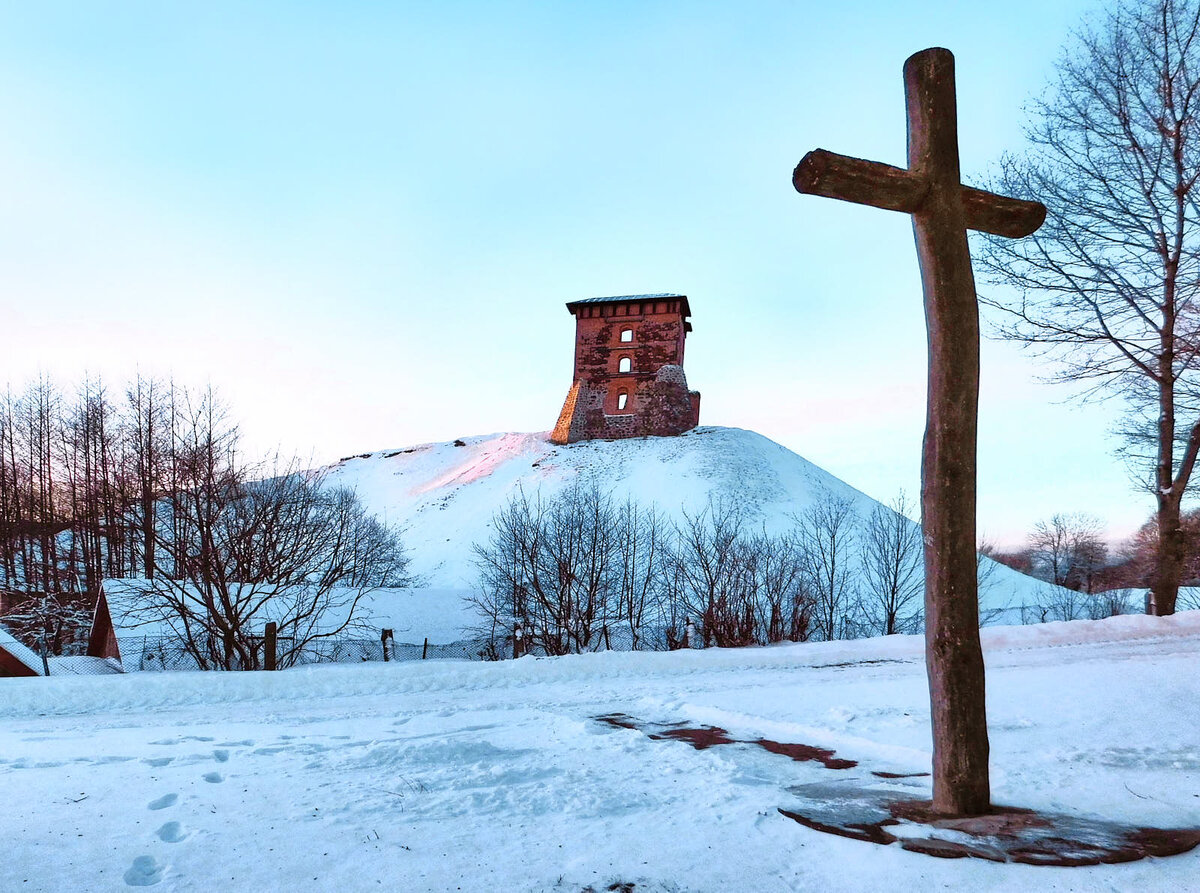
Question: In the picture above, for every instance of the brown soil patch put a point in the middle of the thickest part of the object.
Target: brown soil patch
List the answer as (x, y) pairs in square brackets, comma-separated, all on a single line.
[(704, 737)]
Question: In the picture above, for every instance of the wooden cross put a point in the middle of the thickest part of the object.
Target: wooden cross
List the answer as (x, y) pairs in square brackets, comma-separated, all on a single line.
[(942, 210)]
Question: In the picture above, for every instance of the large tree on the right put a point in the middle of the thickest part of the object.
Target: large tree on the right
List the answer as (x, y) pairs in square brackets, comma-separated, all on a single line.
[(1110, 285)]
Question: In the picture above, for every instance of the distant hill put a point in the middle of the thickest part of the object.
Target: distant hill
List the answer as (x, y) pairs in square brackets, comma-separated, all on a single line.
[(446, 493)]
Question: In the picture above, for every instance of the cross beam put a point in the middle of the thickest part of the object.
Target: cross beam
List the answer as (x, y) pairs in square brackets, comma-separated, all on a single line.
[(828, 174), (942, 210)]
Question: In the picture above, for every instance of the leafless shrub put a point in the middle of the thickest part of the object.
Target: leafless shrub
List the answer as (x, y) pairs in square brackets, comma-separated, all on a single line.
[(1112, 603)]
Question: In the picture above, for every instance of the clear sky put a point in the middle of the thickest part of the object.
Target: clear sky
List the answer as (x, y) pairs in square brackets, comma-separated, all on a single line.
[(360, 221)]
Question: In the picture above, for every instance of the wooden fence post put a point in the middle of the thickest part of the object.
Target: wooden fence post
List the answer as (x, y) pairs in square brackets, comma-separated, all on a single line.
[(269, 640), (425, 648)]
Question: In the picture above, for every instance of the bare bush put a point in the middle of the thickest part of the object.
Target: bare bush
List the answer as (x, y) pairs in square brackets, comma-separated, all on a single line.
[(1111, 603)]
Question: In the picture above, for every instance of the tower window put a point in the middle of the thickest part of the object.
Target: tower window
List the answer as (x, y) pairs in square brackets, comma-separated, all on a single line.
[(622, 400), (626, 335), (625, 365)]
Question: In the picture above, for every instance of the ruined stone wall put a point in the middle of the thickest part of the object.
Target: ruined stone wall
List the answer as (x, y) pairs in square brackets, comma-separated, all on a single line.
[(660, 406)]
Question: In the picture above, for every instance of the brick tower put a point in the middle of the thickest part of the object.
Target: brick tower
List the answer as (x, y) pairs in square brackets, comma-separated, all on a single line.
[(629, 379)]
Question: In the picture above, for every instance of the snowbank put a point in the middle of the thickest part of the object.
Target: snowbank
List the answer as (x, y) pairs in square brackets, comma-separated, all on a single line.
[(27, 697)]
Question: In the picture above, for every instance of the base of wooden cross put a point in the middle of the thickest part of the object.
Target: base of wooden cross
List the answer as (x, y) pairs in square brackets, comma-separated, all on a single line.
[(888, 813)]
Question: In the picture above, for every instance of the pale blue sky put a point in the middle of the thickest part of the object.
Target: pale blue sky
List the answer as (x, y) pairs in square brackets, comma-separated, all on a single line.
[(361, 221)]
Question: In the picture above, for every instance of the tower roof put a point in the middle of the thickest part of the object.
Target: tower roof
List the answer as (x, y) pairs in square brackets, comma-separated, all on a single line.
[(623, 299)]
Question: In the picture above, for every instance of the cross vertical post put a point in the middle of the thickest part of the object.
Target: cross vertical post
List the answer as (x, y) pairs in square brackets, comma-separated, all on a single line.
[(942, 210), (953, 654)]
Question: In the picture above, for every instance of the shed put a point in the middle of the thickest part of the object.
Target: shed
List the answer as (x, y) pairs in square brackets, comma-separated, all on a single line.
[(16, 659)]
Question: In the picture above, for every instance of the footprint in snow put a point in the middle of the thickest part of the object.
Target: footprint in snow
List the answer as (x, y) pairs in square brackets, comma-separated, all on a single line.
[(163, 802), (144, 872), (172, 832), (159, 762), (214, 777), (221, 755)]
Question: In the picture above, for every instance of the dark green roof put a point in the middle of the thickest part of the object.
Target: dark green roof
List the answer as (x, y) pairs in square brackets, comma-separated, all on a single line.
[(625, 299)]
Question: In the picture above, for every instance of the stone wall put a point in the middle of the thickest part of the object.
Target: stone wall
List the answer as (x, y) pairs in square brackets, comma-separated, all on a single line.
[(660, 406)]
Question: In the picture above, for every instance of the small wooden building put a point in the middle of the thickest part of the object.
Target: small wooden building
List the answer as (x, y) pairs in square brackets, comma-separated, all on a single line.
[(16, 659)]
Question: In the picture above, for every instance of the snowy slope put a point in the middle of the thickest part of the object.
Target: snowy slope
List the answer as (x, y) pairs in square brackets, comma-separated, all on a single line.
[(446, 495), (457, 775)]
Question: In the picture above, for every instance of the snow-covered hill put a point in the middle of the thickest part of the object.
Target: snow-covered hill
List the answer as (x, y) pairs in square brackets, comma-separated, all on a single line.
[(445, 494)]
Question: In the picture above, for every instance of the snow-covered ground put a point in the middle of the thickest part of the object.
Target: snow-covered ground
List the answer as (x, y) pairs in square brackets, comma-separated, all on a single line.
[(445, 495), (473, 776)]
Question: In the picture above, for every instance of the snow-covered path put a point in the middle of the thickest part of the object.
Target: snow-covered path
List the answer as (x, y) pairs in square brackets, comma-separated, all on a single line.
[(449, 775)]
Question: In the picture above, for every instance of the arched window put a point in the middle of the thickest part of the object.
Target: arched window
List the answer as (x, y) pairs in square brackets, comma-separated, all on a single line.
[(622, 400), (625, 365), (626, 335)]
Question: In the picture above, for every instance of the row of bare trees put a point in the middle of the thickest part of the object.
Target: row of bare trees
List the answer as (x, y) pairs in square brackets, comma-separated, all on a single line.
[(80, 475), (580, 571), (154, 485), (1094, 579)]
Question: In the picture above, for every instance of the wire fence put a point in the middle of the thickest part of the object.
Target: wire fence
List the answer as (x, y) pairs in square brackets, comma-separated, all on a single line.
[(161, 653)]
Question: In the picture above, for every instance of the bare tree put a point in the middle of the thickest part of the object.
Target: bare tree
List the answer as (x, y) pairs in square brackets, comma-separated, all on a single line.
[(553, 567), (893, 569), (148, 434), (708, 579), (642, 542), (258, 547), (827, 532), (1108, 286), (778, 568), (574, 569), (52, 623), (1068, 550)]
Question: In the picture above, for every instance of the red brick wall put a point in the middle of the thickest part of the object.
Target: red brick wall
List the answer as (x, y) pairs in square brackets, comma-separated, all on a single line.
[(658, 338)]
